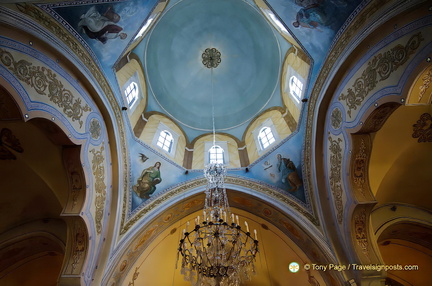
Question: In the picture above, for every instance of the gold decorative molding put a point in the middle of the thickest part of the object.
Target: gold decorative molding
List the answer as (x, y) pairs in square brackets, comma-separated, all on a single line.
[(340, 46), (126, 225), (379, 69), (335, 175), (134, 277), (360, 230), (44, 81), (79, 246), (77, 48), (336, 118), (426, 83), (359, 168), (100, 187), (423, 128), (201, 183), (95, 128)]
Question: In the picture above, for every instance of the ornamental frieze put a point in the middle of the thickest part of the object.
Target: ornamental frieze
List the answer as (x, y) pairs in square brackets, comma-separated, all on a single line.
[(335, 179), (360, 168), (379, 69), (175, 191), (98, 168), (426, 83), (360, 230), (44, 82), (423, 128)]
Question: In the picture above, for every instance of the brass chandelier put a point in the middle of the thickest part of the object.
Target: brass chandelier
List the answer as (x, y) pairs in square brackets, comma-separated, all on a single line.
[(216, 250)]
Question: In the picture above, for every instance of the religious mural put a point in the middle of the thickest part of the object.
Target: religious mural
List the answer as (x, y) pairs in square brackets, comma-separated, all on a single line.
[(147, 181), (107, 27), (152, 173), (315, 20), (280, 171)]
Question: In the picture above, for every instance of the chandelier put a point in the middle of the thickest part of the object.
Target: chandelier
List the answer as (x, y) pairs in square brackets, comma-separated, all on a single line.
[(216, 250)]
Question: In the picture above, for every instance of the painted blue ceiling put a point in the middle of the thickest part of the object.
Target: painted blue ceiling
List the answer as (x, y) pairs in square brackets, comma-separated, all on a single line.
[(245, 83), (241, 85)]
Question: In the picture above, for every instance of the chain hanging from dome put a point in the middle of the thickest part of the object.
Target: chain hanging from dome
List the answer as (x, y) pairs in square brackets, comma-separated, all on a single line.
[(217, 251)]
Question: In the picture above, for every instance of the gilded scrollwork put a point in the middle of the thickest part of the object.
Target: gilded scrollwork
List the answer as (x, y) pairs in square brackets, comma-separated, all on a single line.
[(44, 81), (79, 246), (335, 175), (229, 180), (379, 69), (100, 187), (359, 173), (426, 83), (423, 128), (361, 231), (95, 129), (336, 118)]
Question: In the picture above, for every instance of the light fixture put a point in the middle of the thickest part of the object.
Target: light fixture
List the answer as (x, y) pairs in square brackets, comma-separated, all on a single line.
[(216, 250)]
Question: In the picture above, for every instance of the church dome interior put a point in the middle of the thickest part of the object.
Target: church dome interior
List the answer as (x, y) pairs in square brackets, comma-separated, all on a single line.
[(289, 142)]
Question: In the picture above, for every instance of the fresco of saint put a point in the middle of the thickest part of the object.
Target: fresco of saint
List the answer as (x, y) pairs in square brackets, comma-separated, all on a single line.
[(289, 173), (101, 27), (146, 183)]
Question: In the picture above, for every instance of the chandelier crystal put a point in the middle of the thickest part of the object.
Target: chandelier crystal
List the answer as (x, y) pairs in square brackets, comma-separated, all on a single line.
[(217, 251)]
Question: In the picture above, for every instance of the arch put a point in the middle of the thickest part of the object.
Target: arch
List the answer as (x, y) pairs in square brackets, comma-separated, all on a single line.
[(199, 150), (133, 70), (296, 64), (150, 131), (69, 118), (346, 118), (50, 230), (279, 123), (167, 219), (405, 230)]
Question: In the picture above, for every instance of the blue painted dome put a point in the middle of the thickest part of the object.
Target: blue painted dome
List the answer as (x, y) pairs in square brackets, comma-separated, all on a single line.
[(241, 84)]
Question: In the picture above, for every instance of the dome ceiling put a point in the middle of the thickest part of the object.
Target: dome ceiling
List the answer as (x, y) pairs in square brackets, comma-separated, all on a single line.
[(242, 84)]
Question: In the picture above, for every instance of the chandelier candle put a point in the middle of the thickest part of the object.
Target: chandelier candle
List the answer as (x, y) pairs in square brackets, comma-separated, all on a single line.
[(216, 252)]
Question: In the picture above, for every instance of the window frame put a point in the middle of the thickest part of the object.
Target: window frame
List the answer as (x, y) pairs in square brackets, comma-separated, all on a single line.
[(165, 138), (223, 145), (267, 123), (219, 156), (175, 137), (296, 98), (268, 136), (296, 88), (133, 80)]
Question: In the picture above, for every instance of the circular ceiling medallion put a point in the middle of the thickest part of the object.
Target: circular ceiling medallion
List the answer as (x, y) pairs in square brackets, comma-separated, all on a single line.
[(211, 58), (184, 49)]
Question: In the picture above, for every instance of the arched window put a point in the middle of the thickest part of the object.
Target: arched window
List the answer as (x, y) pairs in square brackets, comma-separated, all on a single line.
[(296, 87), (131, 93), (165, 140), (266, 137), (216, 154)]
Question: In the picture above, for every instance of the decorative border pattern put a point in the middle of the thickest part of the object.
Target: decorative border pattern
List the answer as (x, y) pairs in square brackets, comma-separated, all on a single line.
[(427, 78), (335, 175), (299, 206), (100, 187), (379, 69), (361, 232), (44, 82), (83, 55), (423, 128), (359, 165)]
